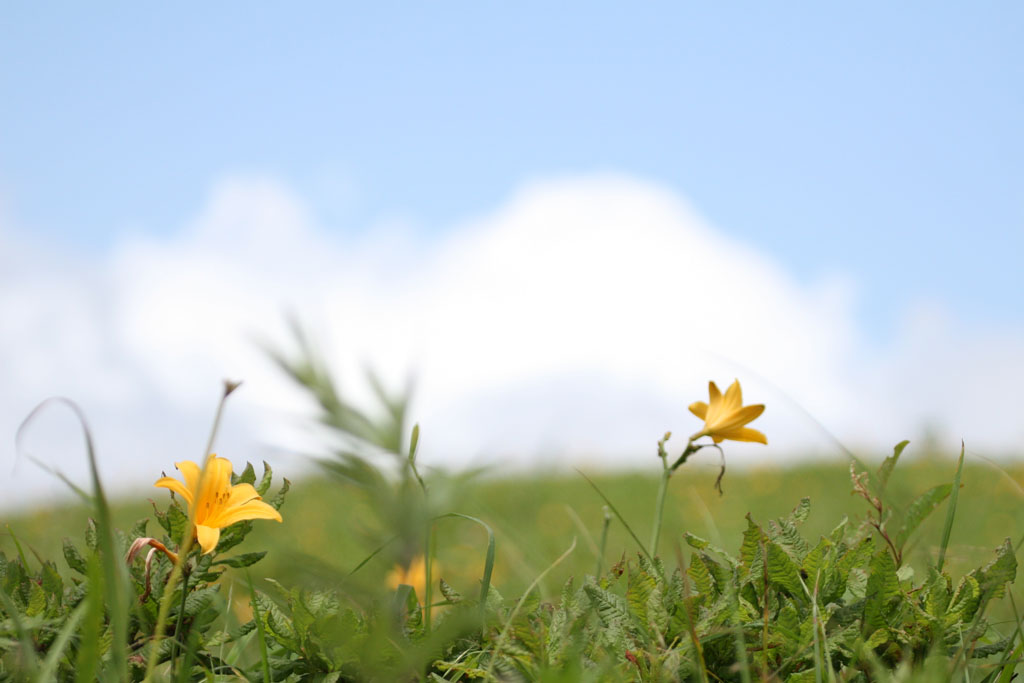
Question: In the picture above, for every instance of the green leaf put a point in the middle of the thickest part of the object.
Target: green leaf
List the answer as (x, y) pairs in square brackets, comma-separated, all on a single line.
[(782, 571), (641, 585), (264, 484), (278, 500), (994, 576), (74, 558), (965, 601), (139, 529), (885, 471), (611, 608), (751, 546), (51, 581), (449, 593), (883, 586), (90, 534), (700, 544), (179, 523), (698, 573), (243, 560), (36, 599), (248, 475), (919, 509), (801, 511)]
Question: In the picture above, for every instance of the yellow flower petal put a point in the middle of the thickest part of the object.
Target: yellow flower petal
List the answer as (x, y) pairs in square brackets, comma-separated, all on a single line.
[(714, 394), (176, 486), (241, 493), (213, 502), (190, 473), (254, 509), (213, 488), (734, 396), (747, 434), (738, 418), (725, 416), (208, 537)]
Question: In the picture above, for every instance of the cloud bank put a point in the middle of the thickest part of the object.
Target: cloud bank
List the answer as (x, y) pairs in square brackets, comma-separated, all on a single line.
[(573, 324)]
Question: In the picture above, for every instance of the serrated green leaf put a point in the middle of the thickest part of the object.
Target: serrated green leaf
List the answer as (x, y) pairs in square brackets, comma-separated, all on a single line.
[(919, 509), (801, 511), (51, 581), (199, 600), (857, 556), (90, 534), (782, 571), (179, 523), (882, 588), (657, 614), (701, 577), (449, 593), (278, 500), (814, 560), (995, 575), (695, 541), (938, 596), (138, 530), (750, 549), (700, 544), (74, 558), (965, 601), (264, 484), (247, 476), (36, 599), (243, 560), (641, 585), (611, 608)]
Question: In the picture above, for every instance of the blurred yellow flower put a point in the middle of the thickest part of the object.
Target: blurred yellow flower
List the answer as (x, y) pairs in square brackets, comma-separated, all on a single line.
[(213, 502), (725, 416), (414, 575)]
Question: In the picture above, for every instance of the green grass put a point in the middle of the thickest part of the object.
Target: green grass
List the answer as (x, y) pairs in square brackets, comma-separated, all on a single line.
[(329, 526)]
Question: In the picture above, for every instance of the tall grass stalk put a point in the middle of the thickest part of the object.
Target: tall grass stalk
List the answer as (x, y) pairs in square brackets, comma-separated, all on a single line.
[(947, 528)]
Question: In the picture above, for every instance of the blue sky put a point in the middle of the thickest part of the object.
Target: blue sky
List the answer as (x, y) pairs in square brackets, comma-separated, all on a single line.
[(565, 218), (875, 140)]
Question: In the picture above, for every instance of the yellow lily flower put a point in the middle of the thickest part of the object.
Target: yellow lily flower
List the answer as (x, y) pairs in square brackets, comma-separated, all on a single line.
[(214, 503), (725, 416), (414, 575)]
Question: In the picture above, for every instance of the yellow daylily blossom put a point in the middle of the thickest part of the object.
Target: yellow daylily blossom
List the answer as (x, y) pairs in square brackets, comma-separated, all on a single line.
[(414, 575), (214, 503), (725, 416)]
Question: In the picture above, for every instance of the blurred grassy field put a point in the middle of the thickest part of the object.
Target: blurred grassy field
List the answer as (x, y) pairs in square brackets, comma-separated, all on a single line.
[(329, 527)]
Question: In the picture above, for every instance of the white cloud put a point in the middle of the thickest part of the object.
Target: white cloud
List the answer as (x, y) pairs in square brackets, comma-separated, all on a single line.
[(577, 320)]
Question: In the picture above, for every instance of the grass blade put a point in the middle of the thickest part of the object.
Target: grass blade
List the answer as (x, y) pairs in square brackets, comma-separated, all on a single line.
[(48, 672), (261, 636), (618, 516), (947, 529), (485, 582)]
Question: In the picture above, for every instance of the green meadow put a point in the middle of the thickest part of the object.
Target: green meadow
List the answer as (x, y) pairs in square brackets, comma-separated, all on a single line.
[(328, 525), (895, 566)]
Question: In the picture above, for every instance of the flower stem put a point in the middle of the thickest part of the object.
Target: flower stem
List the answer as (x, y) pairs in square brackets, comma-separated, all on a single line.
[(184, 548), (666, 474)]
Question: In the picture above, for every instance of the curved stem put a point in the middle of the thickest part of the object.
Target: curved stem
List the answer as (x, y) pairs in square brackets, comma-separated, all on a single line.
[(666, 473)]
